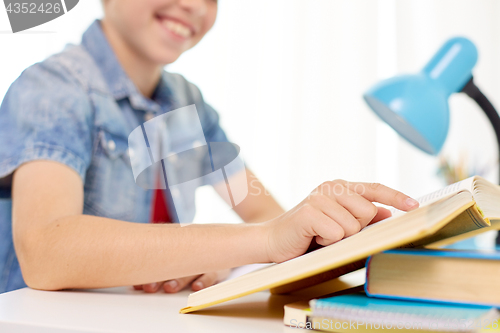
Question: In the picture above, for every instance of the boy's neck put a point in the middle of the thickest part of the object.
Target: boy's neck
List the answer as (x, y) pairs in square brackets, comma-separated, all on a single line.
[(144, 74)]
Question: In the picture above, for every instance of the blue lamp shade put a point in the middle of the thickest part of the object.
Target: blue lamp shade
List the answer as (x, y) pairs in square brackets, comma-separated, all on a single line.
[(416, 106)]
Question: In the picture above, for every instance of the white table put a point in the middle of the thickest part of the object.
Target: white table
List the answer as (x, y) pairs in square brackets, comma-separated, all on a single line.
[(126, 310)]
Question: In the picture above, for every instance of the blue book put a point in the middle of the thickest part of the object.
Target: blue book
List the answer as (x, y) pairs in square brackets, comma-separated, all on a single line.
[(360, 312), (449, 276)]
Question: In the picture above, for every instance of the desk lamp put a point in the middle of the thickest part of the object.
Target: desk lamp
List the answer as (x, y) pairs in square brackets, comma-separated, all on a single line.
[(416, 106)]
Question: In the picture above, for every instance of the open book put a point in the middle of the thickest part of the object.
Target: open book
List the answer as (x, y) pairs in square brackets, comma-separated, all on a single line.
[(484, 193), (446, 216)]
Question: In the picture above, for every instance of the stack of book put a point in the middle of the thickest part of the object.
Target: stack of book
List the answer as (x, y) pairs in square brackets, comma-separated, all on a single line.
[(435, 290), (410, 278), (357, 312), (413, 290)]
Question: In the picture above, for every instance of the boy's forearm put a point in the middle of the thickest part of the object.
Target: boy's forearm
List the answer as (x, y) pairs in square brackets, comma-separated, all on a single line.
[(93, 252), (258, 205)]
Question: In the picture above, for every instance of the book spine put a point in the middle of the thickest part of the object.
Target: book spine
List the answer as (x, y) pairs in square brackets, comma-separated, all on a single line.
[(367, 265)]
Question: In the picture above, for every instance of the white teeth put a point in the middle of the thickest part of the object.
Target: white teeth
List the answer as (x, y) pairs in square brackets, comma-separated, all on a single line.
[(177, 28)]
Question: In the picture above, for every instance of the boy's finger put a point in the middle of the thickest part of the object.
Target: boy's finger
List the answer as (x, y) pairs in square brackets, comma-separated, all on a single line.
[(376, 192), (357, 205), (151, 287), (223, 274), (206, 280), (326, 230), (341, 215), (175, 285), (382, 214)]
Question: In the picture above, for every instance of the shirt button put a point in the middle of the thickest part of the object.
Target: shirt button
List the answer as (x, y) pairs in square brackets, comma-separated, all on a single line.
[(130, 152), (149, 116), (111, 145)]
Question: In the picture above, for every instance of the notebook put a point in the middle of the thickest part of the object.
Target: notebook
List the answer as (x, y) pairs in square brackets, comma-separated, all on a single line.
[(360, 312)]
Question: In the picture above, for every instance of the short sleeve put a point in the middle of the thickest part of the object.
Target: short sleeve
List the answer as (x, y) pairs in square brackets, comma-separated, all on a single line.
[(226, 156), (210, 123), (45, 115)]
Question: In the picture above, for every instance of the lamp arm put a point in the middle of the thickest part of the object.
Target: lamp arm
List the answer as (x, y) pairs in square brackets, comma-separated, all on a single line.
[(473, 92)]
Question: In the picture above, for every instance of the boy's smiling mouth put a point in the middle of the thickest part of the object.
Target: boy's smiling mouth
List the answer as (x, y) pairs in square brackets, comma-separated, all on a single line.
[(179, 29)]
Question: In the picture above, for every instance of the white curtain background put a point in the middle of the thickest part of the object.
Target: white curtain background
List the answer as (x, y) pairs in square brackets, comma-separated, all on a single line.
[(287, 77)]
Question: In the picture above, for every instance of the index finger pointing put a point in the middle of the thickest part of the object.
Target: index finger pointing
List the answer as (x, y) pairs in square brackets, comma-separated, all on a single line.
[(376, 192)]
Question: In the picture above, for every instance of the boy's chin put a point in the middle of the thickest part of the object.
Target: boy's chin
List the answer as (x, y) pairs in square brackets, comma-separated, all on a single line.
[(165, 58)]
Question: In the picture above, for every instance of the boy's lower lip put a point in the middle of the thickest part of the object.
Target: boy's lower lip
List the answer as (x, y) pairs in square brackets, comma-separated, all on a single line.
[(172, 34)]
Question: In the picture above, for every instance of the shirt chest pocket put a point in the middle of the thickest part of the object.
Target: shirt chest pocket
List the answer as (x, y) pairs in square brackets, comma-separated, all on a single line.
[(110, 189)]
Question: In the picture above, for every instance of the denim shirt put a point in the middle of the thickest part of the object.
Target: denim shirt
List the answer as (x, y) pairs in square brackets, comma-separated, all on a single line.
[(78, 108)]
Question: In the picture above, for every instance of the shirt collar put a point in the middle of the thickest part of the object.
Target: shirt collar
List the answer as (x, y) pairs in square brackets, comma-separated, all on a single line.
[(119, 84)]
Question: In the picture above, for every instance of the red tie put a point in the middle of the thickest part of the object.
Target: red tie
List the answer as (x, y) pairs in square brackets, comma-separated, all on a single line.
[(159, 207)]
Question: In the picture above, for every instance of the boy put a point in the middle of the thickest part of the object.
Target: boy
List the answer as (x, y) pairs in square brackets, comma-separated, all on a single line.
[(64, 162)]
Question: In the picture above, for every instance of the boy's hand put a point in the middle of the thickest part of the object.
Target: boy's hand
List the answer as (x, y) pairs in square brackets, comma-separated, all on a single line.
[(197, 282), (333, 211)]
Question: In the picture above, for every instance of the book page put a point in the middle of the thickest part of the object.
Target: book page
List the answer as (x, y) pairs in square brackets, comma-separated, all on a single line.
[(466, 184)]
